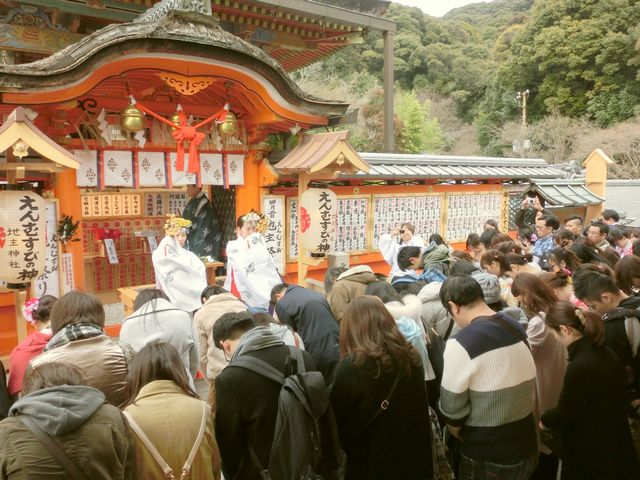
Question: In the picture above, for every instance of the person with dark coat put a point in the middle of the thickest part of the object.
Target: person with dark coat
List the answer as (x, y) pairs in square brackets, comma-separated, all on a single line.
[(596, 286), (204, 236), (247, 402), (590, 418), (309, 314), (378, 365)]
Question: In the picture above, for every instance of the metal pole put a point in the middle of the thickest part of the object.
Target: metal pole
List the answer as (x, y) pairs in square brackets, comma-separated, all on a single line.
[(387, 78)]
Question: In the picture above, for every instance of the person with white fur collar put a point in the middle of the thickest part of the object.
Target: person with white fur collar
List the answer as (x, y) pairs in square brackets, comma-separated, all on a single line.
[(405, 309)]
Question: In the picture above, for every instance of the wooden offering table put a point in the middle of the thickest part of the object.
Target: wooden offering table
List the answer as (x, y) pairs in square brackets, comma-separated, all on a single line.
[(128, 294)]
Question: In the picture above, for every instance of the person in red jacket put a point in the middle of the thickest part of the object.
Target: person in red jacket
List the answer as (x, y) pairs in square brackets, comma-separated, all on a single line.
[(36, 312)]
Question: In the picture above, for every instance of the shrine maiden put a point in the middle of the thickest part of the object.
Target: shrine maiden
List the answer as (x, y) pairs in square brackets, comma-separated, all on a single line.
[(251, 272), (179, 273)]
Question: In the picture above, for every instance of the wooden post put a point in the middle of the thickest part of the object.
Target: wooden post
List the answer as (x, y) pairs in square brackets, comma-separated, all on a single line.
[(596, 166), (21, 322), (303, 182)]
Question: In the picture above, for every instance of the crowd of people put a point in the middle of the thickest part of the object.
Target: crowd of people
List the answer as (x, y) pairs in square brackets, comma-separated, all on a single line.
[(514, 358)]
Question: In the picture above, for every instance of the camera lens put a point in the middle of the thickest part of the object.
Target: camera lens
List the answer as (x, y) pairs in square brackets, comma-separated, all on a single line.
[(402, 230)]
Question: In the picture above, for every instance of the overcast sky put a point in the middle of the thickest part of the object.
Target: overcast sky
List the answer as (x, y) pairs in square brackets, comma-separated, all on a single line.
[(437, 8)]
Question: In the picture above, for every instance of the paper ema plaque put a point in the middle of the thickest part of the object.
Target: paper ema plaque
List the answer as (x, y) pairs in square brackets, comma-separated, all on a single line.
[(85, 201), (468, 213), (423, 211), (273, 208), (96, 206), (292, 220), (67, 272), (110, 247), (177, 202), (136, 207), (351, 232)]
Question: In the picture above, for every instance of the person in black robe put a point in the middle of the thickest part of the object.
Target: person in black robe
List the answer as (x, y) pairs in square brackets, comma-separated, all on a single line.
[(203, 237)]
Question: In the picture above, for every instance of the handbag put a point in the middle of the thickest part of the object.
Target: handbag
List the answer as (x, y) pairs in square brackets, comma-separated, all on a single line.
[(54, 448), (435, 349)]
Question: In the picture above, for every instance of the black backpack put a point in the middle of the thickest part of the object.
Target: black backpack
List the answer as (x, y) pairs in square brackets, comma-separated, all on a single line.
[(305, 442)]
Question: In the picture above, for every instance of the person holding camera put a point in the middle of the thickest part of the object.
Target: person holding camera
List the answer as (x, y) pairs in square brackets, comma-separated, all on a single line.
[(391, 243), (530, 209)]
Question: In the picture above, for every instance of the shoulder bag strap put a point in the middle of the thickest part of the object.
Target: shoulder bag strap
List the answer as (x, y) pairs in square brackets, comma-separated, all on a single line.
[(54, 448), (186, 468), (383, 406), (513, 330), (168, 472), (258, 366), (297, 354), (449, 328)]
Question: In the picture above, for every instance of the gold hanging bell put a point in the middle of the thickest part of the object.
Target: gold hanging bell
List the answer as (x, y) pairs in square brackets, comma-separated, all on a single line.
[(229, 126), (131, 119), (175, 118)]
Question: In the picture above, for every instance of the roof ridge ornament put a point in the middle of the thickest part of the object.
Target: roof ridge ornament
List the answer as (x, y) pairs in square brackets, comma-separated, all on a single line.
[(161, 9)]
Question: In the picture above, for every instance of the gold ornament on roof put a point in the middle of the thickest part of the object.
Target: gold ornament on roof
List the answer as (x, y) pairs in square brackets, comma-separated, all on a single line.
[(186, 85), (175, 225)]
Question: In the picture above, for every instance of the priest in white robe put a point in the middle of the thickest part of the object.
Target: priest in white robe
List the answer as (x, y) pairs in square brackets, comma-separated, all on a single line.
[(251, 272), (179, 273)]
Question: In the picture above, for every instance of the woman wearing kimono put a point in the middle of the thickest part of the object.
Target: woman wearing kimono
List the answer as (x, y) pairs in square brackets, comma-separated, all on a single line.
[(180, 274), (251, 273)]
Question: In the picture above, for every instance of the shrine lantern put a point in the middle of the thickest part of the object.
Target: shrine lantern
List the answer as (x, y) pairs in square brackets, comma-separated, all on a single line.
[(23, 239), (318, 215)]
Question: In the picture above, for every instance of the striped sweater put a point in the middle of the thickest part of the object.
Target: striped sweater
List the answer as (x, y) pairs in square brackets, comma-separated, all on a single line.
[(488, 388)]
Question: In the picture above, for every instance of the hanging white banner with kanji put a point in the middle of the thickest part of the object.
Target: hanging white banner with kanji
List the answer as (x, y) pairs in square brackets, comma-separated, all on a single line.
[(211, 172), (151, 169), (235, 168), (118, 168), (179, 178), (274, 237), (87, 173)]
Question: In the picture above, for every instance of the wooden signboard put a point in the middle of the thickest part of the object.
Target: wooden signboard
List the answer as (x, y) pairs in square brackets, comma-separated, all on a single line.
[(467, 213), (273, 207), (352, 231), (424, 211)]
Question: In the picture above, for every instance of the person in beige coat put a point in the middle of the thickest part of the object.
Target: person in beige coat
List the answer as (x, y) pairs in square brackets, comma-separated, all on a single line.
[(217, 301), (166, 415), (77, 320)]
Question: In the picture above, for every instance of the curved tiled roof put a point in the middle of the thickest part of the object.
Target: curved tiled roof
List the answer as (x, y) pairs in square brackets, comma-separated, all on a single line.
[(152, 33), (444, 167)]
